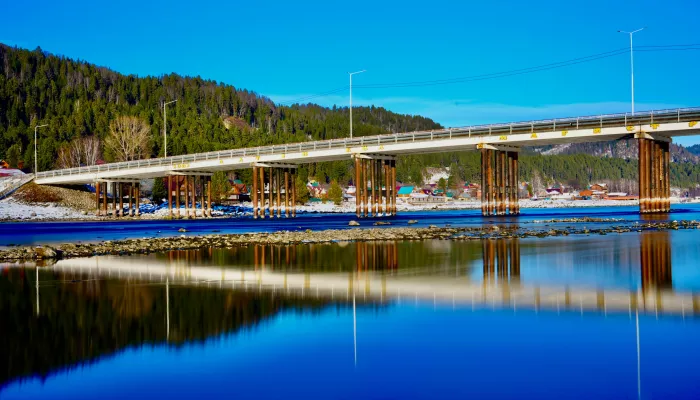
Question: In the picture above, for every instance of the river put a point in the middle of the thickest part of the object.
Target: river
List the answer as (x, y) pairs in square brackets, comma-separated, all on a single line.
[(578, 316)]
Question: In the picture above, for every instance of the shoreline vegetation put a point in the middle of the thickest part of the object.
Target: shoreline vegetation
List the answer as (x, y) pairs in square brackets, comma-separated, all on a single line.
[(185, 242)]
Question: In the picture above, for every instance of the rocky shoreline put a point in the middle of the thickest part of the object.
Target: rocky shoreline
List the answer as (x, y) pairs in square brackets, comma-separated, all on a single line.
[(184, 242)]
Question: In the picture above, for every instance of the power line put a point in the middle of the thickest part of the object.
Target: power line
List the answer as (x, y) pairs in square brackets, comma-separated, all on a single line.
[(504, 74)]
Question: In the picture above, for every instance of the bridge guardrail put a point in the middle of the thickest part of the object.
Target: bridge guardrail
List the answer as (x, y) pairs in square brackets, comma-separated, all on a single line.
[(600, 121)]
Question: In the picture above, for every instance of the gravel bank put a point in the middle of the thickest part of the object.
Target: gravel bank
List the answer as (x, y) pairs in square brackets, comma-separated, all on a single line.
[(185, 242)]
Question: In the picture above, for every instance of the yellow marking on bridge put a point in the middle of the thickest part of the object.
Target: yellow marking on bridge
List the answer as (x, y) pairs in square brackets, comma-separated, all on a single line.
[(305, 154), (533, 136), (692, 123), (596, 130), (183, 165), (654, 126), (630, 128), (564, 133), (503, 137)]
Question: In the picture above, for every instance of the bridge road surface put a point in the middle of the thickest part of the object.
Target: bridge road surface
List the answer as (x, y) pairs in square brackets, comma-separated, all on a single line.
[(660, 125)]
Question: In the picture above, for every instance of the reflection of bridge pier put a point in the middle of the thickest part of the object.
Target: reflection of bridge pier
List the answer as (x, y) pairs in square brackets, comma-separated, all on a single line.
[(501, 258)]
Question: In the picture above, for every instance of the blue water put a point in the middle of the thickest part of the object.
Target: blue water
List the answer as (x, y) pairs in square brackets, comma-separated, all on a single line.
[(99, 336), (404, 352), (23, 233)]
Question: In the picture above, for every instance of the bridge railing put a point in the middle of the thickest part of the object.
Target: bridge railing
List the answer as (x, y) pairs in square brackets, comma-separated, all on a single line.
[(586, 122)]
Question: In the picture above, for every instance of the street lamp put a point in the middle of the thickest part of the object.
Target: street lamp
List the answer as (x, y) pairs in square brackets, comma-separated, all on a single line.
[(36, 168), (632, 62), (165, 127), (351, 74)]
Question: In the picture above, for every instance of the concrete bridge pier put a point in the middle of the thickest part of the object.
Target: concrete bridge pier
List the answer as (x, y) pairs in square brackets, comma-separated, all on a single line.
[(375, 185), (270, 175), (499, 180), (654, 173)]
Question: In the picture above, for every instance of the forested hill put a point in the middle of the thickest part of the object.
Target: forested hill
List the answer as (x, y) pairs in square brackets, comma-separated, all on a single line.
[(78, 99)]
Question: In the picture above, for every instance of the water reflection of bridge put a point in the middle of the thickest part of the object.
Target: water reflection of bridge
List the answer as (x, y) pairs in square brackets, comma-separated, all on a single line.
[(377, 276)]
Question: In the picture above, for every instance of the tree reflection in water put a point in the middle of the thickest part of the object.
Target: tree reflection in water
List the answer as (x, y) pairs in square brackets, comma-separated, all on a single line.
[(79, 320), (82, 321)]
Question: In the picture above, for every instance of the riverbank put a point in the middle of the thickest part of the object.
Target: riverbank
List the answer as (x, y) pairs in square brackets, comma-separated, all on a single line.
[(14, 209), (190, 242)]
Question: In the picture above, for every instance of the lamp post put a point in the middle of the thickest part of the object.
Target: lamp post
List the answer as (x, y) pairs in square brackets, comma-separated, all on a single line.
[(351, 74), (632, 62), (36, 164), (165, 127)]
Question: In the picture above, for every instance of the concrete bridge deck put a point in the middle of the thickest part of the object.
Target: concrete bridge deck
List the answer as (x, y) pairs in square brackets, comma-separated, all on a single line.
[(657, 125)]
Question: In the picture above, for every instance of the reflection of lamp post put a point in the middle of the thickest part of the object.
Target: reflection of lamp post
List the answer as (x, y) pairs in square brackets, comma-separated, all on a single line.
[(37, 290), (354, 325), (639, 376), (632, 63), (167, 307), (351, 74), (36, 168), (165, 127)]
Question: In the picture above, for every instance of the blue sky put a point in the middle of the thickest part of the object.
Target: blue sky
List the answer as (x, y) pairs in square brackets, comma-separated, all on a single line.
[(288, 50)]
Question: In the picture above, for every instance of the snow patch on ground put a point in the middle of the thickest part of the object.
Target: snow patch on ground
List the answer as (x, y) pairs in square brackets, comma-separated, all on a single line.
[(13, 210)]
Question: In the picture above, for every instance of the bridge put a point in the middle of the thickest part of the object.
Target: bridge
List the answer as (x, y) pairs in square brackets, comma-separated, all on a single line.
[(375, 163)]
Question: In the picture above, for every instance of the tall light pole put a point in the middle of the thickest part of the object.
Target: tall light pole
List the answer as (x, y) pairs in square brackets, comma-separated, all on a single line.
[(165, 127), (351, 74), (632, 62), (36, 164)]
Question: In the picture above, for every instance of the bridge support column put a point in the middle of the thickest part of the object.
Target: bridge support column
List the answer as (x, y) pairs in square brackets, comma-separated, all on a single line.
[(387, 193), (114, 199), (178, 188), (120, 191), (193, 194), (294, 193), (393, 187), (209, 196), (357, 188), (254, 192), (202, 192), (97, 197), (104, 198), (499, 181), (278, 189), (137, 195), (286, 193), (263, 207), (654, 174), (169, 185), (130, 191)]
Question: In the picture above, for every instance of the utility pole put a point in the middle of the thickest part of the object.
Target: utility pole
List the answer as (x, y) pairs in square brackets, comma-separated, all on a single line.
[(165, 127), (632, 62), (36, 164), (351, 74)]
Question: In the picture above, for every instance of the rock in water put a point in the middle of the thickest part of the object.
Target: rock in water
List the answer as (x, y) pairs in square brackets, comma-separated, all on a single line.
[(412, 221), (45, 252), (382, 223), (353, 223), (182, 230)]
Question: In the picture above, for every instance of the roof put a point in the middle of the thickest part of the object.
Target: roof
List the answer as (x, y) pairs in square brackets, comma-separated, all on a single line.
[(405, 190)]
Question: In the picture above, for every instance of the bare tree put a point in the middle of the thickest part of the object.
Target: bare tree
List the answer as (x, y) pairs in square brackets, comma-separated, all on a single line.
[(68, 156), (81, 151), (90, 150), (128, 138)]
